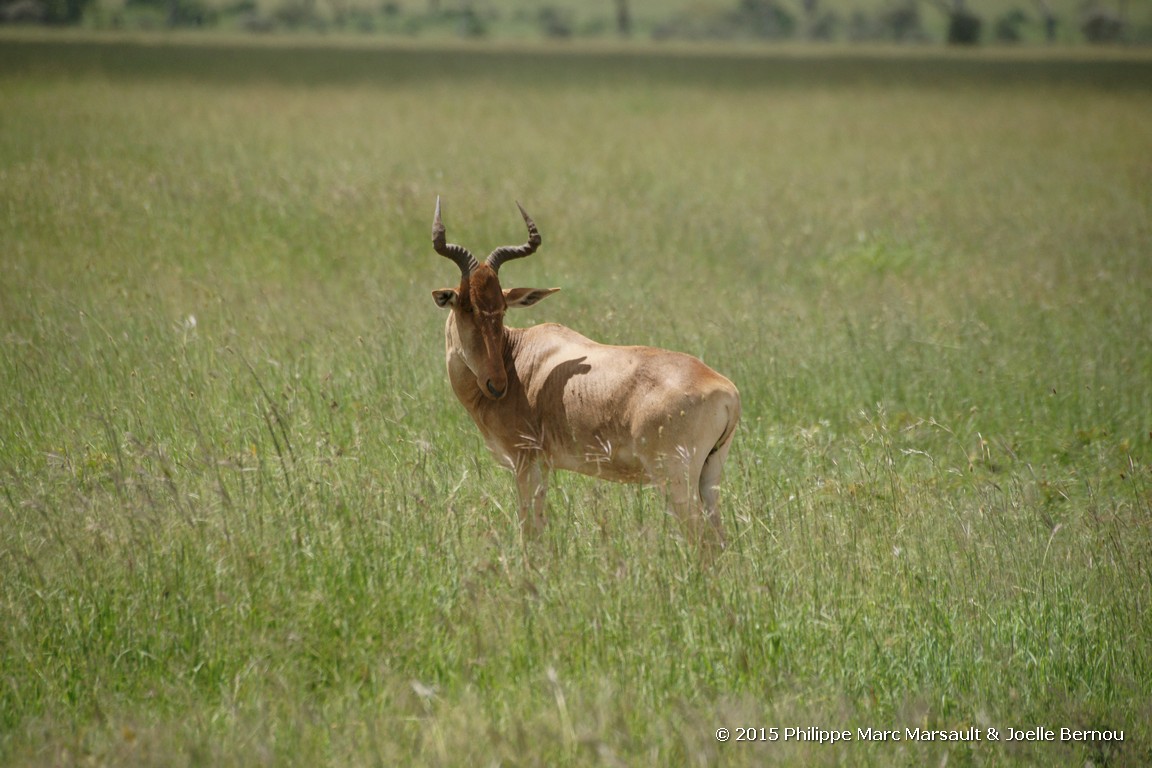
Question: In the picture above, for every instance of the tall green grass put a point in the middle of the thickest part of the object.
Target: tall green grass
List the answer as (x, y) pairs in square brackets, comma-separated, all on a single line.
[(243, 520)]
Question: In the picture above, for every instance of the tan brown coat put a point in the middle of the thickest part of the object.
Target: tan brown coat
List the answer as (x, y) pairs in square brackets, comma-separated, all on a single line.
[(548, 398)]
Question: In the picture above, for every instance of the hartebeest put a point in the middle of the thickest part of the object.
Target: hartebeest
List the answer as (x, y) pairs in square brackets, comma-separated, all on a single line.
[(548, 398)]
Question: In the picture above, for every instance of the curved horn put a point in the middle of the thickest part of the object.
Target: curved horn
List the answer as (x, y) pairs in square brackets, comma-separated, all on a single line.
[(458, 253), (508, 252)]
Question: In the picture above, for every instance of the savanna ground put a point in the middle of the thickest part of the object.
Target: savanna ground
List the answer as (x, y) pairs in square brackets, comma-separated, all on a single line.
[(244, 522)]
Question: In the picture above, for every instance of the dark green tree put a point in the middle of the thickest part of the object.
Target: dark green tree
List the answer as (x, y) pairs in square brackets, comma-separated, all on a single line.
[(64, 12), (623, 18), (963, 25)]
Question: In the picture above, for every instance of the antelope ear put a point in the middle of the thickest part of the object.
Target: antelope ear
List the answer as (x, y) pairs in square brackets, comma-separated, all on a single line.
[(526, 297), (445, 297)]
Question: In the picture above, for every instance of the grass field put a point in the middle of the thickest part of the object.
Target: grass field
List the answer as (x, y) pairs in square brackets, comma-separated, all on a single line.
[(243, 520)]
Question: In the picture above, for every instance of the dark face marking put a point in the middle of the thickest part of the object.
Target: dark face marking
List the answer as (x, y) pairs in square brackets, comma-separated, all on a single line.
[(482, 306), (484, 292)]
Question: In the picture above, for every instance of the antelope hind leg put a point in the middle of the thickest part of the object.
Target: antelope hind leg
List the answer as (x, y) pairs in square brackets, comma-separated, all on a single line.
[(682, 491), (710, 477)]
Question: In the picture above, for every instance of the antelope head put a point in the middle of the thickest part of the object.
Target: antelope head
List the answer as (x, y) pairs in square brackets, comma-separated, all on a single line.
[(479, 303)]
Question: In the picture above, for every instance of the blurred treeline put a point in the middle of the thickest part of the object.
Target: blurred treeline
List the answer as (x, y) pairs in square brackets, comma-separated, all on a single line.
[(957, 22)]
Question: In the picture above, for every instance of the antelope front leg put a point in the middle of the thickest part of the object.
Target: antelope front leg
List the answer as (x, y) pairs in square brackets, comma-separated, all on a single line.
[(532, 487)]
